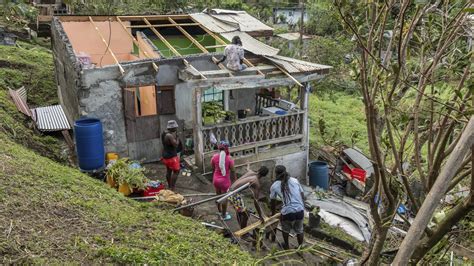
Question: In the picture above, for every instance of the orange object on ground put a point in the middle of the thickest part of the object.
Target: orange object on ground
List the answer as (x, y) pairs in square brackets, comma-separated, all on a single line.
[(111, 156), (125, 189)]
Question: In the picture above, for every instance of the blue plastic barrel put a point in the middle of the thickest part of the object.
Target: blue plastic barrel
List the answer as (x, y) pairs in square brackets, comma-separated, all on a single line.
[(319, 174), (89, 143)]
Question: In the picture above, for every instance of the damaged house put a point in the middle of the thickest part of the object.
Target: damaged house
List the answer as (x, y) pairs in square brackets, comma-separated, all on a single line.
[(135, 73)]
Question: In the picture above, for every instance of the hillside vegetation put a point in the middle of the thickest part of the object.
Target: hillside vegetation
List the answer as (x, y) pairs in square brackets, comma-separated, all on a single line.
[(52, 213)]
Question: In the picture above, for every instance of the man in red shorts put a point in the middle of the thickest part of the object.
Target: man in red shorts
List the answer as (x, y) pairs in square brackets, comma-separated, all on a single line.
[(170, 157)]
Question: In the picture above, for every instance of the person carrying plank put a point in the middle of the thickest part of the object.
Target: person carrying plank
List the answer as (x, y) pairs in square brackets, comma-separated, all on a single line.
[(237, 200), (289, 191)]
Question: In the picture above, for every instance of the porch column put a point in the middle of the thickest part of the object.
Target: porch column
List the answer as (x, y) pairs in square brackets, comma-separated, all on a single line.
[(197, 121), (306, 123)]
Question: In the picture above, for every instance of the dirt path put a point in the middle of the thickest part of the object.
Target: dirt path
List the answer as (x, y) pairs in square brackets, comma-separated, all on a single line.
[(207, 212)]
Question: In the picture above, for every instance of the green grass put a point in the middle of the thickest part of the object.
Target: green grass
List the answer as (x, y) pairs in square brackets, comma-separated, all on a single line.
[(343, 118), (53, 214), (30, 66), (58, 214)]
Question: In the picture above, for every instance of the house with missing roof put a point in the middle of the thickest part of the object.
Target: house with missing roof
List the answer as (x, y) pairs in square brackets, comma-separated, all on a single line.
[(135, 73)]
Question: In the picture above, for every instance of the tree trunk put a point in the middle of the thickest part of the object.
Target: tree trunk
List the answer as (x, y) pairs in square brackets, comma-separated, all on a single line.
[(377, 247), (434, 196), (453, 217)]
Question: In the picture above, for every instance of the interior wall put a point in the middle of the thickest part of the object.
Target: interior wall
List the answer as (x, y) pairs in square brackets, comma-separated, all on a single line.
[(242, 99), (85, 38)]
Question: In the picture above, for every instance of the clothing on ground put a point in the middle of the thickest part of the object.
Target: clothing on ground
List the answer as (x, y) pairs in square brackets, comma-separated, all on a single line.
[(294, 202), (172, 163), (234, 54), (221, 182)]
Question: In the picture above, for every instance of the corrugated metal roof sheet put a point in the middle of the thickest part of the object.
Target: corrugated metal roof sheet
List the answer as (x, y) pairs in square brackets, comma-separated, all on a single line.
[(296, 66), (251, 44), (213, 24), (292, 36), (221, 20), (51, 118), (19, 98)]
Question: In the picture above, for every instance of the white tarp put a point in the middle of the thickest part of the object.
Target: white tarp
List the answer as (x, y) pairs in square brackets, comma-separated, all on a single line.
[(345, 224)]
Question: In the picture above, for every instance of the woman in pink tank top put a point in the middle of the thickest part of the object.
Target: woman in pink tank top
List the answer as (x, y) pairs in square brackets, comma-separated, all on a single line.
[(223, 170)]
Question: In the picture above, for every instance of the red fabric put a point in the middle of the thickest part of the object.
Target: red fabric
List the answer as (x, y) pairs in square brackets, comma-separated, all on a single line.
[(172, 163)]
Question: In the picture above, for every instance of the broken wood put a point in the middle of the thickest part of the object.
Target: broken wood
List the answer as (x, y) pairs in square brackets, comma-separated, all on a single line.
[(266, 222)]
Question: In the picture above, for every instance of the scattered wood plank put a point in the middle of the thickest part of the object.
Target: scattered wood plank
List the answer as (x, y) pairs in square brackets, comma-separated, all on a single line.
[(267, 222)]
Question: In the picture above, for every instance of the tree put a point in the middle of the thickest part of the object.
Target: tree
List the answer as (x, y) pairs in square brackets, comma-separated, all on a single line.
[(413, 68)]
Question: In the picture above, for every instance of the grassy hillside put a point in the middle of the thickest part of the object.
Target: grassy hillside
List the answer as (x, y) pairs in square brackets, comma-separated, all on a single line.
[(338, 118), (51, 213)]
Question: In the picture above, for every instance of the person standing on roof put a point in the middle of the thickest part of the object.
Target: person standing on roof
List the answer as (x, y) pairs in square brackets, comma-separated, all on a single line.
[(223, 169), (171, 145), (234, 54), (289, 191)]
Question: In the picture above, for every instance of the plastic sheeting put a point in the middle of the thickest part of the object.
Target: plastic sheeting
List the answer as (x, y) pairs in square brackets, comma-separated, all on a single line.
[(344, 209), (345, 224)]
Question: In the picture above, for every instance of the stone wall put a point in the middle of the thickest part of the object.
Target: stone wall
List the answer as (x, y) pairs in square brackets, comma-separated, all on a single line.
[(68, 70)]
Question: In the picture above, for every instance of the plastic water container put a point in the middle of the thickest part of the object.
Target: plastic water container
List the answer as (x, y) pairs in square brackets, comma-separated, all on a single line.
[(319, 174), (89, 144)]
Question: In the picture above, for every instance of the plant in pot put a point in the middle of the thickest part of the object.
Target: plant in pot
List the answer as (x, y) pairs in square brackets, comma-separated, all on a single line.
[(213, 113), (128, 177)]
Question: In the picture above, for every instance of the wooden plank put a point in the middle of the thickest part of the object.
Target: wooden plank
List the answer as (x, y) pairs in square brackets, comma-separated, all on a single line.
[(135, 41), (266, 68), (267, 222), (161, 38), (138, 128), (164, 25), (107, 45), (170, 46), (202, 48), (154, 17), (289, 75)]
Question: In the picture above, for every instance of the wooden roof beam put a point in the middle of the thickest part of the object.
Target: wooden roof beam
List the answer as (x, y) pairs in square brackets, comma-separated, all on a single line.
[(199, 45), (158, 34), (135, 41), (164, 25), (107, 45)]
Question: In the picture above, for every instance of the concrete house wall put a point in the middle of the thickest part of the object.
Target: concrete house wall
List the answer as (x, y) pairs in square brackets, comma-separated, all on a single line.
[(99, 93)]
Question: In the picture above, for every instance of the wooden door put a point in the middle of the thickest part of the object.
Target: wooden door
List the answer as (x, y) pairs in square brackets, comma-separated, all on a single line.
[(143, 132)]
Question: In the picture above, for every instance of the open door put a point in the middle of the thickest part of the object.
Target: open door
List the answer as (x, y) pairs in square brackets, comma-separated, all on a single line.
[(142, 123)]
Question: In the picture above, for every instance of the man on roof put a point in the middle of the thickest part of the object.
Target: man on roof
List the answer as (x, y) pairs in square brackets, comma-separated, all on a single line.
[(234, 54)]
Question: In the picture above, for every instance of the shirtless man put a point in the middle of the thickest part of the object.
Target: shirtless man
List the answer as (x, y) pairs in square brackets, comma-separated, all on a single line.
[(237, 200), (171, 145)]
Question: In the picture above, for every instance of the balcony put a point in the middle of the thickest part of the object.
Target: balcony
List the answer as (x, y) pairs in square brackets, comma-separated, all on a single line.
[(256, 133)]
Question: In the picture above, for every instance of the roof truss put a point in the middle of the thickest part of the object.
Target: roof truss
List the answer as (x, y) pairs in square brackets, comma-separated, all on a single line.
[(171, 21)]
